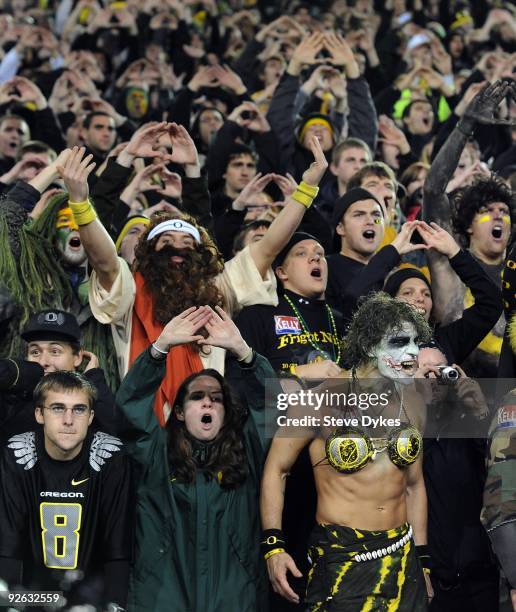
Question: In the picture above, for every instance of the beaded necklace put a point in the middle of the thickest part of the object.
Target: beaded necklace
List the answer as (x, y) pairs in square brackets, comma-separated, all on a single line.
[(305, 329)]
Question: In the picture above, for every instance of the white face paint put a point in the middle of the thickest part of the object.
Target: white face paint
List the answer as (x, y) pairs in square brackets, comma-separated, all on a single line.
[(397, 353)]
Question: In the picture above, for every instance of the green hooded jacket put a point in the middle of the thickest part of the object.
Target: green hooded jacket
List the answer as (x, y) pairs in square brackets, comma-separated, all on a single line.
[(197, 545)]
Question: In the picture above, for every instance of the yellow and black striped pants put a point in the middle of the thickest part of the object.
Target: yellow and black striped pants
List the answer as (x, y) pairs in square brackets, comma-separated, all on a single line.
[(337, 582)]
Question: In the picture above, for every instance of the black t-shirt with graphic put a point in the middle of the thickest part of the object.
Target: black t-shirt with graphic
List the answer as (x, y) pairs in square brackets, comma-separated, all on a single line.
[(64, 515), (292, 335)]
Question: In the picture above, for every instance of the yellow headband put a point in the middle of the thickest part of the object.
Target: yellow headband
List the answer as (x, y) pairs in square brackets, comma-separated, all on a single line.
[(130, 224), (314, 121)]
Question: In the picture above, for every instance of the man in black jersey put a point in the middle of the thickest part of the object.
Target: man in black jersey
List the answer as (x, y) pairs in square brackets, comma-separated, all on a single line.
[(64, 499), (302, 334)]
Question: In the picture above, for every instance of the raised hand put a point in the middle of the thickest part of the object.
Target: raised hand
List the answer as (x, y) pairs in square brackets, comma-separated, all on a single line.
[(29, 92), (437, 238), (469, 94), (204, 77), (144, 142), (402, 241), (391, 134), (93, 360), (75, 172), (257, 121), (195, 52), (256, 185), (184, 328), (317, 79), (164, 19), (483, 106), (342, 54), (229, 78), (315, 172), (306, 52), (184, 150), (172, 186), (287, 184), (337, 85), (131, 73), (83, 84), (142, 181), (43, 202), (28, 161), (465, 177), (8, 93), (278, 27), (225, 334), (102, 106), (338, 48), (160, 207), (470, 395)]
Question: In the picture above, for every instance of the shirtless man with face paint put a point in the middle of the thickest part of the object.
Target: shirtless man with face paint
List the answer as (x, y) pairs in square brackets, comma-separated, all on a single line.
[(371, 507)]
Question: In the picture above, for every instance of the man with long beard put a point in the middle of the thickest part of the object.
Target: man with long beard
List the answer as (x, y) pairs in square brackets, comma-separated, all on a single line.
[(177, 266)]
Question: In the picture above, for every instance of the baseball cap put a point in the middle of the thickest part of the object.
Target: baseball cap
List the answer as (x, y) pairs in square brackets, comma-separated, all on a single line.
[(52, 324)]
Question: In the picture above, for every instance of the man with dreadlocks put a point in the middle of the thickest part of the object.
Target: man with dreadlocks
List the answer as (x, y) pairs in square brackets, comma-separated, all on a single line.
[(177, 266), (371, 505), (45, 266)]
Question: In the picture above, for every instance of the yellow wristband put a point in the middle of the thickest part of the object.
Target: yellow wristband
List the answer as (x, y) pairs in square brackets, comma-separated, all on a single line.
[(426, 571), (275, 551), (83, 212), (302, 198), (310, 190), (293, 369)]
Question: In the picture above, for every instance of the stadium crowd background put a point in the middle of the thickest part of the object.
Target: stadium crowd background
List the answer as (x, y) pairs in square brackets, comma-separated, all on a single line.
[(213, 112)]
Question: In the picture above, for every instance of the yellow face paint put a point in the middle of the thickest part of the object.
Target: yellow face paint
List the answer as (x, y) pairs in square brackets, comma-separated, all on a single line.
[(506, 219), (65, 218), (484, 218), (378, 221)]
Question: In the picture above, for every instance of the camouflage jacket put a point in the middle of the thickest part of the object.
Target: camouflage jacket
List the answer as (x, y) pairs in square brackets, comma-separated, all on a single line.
[(500, 488)]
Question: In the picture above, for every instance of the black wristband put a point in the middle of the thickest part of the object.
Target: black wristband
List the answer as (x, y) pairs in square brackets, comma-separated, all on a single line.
[(271, 539), (423, 554)]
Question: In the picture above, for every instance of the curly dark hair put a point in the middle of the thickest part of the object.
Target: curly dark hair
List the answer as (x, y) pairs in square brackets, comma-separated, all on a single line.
[(227, 455), (378, 314), (467, 201), (174, 289)]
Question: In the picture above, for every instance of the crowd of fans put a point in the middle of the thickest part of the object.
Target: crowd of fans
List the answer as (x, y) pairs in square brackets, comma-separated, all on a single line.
[(214, 186)]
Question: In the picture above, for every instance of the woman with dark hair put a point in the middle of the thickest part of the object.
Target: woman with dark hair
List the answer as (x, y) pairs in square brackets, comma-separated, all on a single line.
[(198, 531)]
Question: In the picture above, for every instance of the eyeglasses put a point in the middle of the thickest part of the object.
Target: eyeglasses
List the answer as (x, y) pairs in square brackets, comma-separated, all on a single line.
[(58, 410)]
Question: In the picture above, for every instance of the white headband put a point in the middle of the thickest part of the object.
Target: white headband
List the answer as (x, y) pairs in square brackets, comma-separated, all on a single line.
[(175, 225)]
